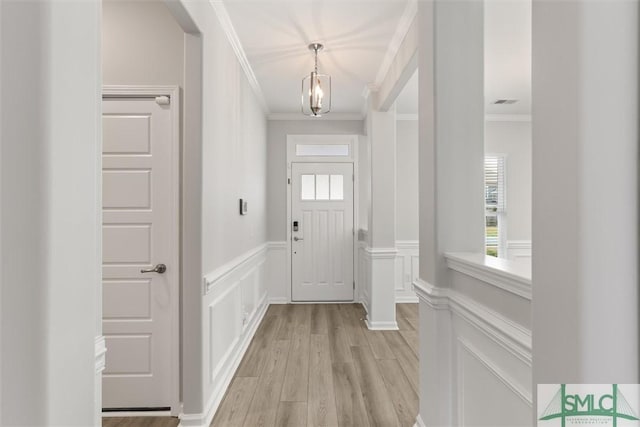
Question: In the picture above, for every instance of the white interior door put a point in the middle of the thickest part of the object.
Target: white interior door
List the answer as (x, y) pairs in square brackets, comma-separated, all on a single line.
[(139, 222), (322, 232)]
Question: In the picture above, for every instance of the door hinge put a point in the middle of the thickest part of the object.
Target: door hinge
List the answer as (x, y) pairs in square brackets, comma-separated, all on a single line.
[(353, 178), (289, 181), (354, 285)]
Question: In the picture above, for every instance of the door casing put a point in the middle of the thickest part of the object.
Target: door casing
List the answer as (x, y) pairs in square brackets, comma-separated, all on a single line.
[(353, 141), (173, 92)]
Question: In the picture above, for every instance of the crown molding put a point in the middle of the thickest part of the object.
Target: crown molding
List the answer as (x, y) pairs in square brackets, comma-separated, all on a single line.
[(326, 117), (507, 117), (232, 36), (409, 13)]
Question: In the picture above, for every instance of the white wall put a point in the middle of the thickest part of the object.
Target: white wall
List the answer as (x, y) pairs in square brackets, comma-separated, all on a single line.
[(51, 190), (141, 44), (513, 138), (277, 162), (407, 180), (451, 152), (585, 198), (234, 166)]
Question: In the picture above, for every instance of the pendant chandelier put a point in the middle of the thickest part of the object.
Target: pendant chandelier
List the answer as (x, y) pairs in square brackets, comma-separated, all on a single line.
[(316, 89)]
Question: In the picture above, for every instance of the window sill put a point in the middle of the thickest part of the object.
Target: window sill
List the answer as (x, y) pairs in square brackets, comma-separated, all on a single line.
[(511, 276)]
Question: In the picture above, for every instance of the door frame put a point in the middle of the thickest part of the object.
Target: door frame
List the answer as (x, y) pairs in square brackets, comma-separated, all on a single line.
[(353, 141), (173, 92)]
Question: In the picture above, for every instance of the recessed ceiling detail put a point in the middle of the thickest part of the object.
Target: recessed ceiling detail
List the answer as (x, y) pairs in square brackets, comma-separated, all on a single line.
[(274, 33)]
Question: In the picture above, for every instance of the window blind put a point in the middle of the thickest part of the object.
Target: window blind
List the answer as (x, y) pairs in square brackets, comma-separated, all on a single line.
[(494, 183)]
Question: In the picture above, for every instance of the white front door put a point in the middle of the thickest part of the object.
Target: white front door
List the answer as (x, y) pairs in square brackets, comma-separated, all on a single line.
[(322, 232), (139, 222)]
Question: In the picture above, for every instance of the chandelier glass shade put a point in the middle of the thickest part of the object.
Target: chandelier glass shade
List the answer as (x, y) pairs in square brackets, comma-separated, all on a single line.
[(316, 89)]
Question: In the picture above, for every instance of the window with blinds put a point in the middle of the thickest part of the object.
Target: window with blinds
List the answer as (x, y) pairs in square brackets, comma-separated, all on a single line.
[(495, 204)]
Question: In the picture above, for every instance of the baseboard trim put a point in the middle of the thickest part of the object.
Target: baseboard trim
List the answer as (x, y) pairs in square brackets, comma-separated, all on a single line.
[(406, 299), (278, 300), (204, 419), (381, 326)]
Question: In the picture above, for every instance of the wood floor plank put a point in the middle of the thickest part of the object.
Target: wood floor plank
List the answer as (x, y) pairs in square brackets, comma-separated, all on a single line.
[(255, 357), (403, 323), (406, 358), (296, 379), (291, 414), (410, 313), (140, 422), (338, 339), (349, 402), (378, 344), (376, 398), (352, 324), (234, 406), (411, 338), (286, 323), (319, 319), (321, 406), (405, 400), (276, 309), (264, 405)]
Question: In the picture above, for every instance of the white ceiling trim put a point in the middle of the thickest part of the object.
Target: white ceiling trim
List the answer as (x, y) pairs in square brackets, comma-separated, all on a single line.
[(410, 11), (507, 117), (232, 36), (328, 116)]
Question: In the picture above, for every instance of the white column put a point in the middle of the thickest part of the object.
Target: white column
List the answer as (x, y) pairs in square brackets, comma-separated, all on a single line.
[(50, 198), (381, 129), (451, 156), (585, 192)]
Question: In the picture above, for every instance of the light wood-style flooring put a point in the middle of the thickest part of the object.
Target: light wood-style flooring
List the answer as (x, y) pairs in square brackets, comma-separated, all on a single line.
[(319, 365)]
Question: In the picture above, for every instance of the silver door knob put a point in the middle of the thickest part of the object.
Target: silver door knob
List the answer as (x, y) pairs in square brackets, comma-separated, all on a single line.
[(159, 268), (297, 238)]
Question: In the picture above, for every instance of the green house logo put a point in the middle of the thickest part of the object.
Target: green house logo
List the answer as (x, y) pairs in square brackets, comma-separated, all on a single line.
[(583, 408)]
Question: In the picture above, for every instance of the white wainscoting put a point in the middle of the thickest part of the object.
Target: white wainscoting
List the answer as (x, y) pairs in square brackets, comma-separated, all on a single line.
[(235, 300), (407, 269), (486, 358), (364, 284), (277, 292), (518, 249)]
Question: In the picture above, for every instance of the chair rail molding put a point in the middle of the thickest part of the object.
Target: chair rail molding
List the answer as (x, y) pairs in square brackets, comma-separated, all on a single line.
[(511, 336), (497, 272), (223, 272)]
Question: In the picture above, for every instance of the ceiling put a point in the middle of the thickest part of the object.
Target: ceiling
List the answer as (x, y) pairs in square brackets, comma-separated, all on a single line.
[(275, 33), (507, 56)]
